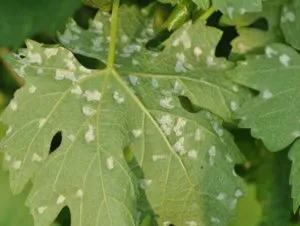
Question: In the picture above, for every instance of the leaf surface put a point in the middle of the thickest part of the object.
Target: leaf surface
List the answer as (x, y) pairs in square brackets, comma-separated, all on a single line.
[(290, 23), (129, 150), (36, 13)]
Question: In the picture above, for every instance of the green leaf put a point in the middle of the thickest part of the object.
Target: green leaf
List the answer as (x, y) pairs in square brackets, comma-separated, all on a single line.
[(13, 210), (290, 23), (189, 52), (249, 201), (129, 152), (36, 13), (234, 8), (294, 176), (273, 189), (275, 76), (251, 39)]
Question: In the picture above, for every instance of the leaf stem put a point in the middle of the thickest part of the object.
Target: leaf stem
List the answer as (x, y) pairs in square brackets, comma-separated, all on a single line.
[(207, 13), (113, 34)]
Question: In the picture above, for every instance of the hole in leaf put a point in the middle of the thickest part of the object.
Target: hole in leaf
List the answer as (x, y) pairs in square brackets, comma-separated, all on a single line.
[(90, 63), (155, 43), (224, 47), (64, 217), (229, 33), (240, 170), (83, 15), (186, 103), (261, 24), (56, 141)]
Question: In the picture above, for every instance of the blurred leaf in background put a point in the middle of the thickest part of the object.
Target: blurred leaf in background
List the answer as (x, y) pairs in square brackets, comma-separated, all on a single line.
[(22, 19)]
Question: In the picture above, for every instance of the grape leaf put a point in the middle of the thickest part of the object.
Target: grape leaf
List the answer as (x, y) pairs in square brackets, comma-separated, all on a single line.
[(273, 114), (129, 151), (232, 8), (251, 39), (273, 190), (36, 13), (290, 23), (274, 75), (189, 51)]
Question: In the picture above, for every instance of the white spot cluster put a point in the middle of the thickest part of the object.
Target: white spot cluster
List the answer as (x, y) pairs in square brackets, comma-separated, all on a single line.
[(71, 137), (212, 154), (61, 74), (184, 39), (13, 105), (154, 83), (36, 158), (8, 131), (68, 36), (70, 64), (34, 57), (238, 193), (137, 133), (97, 44), (60, 199), (180, 124), (97, 26), (210, 61), (157, 157), (110, 163), (32, 89), (7, 157), (77, 90), (90, 135), (191, 223), (221, 196), (166, 103), (166, 124), (92, 96), (79, 193), (144, 183), (118, 98), (198, 135), (242, 47), (128, 50), (233, 106), (284, 60), (50, 52), (267, 94), (88, 111), (181, 65), (229, 159), (17, 164), (197, 52), (179, 146), (39, 71), (177, 87), (133, 80), (270, 52), (42, 209), (230, 11), (193, 154), (287, 16), (216, 127), (215, 220)]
